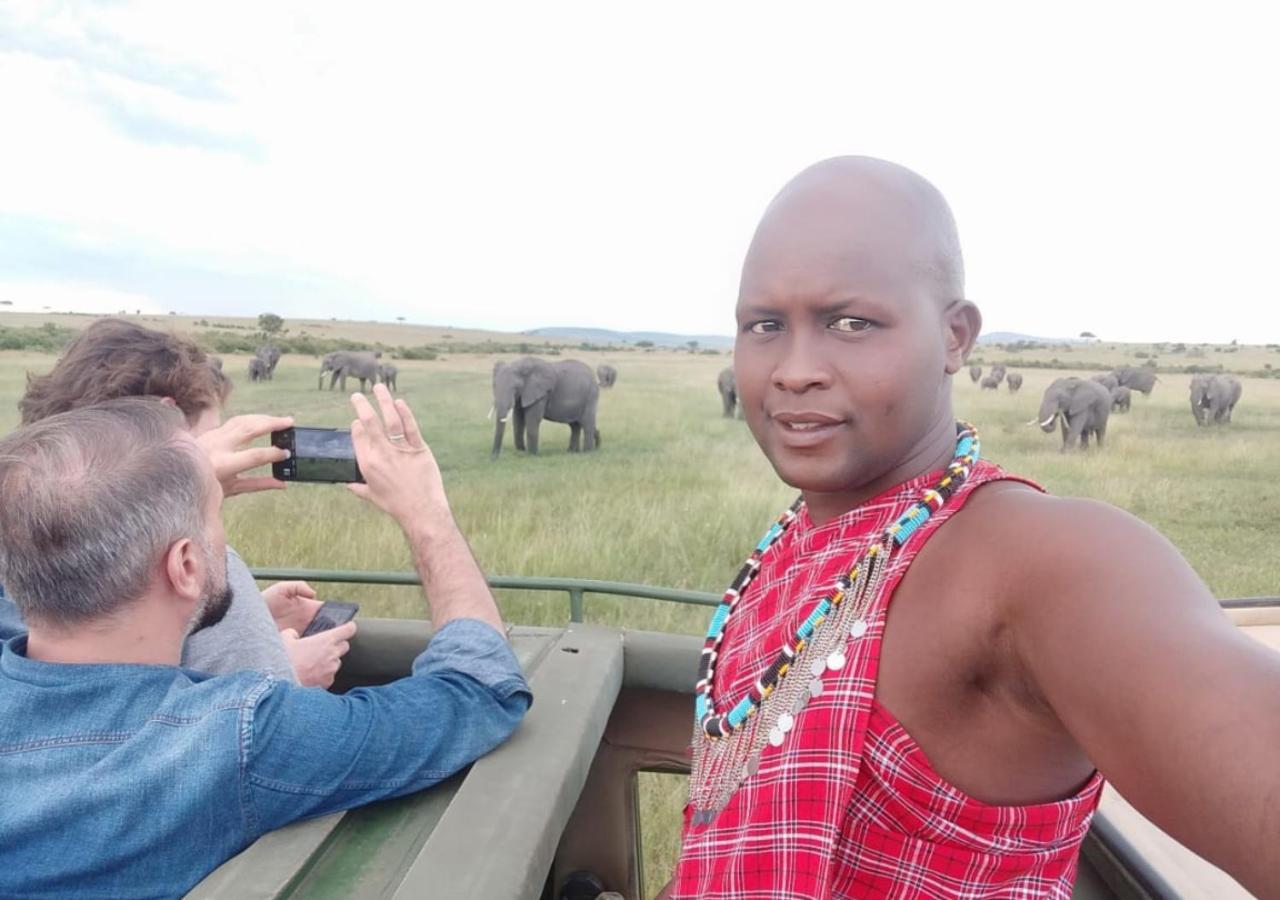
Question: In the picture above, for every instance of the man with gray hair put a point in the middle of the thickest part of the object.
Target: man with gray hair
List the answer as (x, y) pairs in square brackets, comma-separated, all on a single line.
[(124, 775)]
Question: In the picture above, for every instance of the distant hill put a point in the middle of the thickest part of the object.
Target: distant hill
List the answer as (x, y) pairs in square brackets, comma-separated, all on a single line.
[(657, 338), (1013, 337)]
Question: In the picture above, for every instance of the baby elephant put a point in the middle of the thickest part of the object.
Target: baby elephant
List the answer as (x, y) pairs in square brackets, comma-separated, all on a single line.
[(606, 375), (1121, 397), (1014, 380), (975, 372), (387, 374), (258, 370), (991, 382)]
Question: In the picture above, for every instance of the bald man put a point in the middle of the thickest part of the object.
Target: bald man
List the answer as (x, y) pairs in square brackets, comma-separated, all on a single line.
[(893, 704)]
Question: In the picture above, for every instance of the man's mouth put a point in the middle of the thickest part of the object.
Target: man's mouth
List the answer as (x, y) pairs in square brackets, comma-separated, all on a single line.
[(808, 426)]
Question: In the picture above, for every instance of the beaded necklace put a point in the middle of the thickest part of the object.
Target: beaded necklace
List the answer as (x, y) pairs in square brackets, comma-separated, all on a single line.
[(727, 745)]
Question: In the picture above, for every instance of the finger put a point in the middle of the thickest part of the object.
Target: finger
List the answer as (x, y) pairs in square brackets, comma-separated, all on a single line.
[(248, 427), (368, 418), (360, 490), (289, 634), (243, 460), (342, 648), (304, 590), (250, 485), (412, 433), (343, 632), (390, 415)]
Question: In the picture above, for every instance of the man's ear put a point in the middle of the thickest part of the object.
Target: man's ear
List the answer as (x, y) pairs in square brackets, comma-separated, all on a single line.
[(184, 569), (168, 401), (962, 323)]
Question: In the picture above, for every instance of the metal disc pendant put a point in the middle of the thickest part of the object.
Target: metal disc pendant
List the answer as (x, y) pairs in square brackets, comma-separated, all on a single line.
[(786, 722), (800, 703), (775, 737), (815, 687), (836, 661), (858, 629), (816, 667)]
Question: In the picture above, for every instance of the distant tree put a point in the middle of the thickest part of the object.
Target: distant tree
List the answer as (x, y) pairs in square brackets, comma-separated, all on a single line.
[(644, 343), (1088, 334), (692, 345), (399, 318), (270, 325)]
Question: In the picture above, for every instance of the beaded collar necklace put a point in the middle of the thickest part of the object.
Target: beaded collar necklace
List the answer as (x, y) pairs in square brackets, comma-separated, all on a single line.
[(727, 744)]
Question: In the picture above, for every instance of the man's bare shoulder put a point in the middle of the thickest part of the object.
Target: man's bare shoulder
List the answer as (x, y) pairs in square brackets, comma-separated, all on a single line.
[(1050, 546)]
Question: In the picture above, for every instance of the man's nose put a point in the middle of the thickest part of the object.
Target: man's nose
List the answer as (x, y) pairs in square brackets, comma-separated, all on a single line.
[(801, 366)]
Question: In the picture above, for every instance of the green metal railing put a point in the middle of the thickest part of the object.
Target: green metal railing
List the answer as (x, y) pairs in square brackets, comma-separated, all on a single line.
[(576, 588)]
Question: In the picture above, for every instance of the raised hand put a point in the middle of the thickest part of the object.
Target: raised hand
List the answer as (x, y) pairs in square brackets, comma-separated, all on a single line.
[(400, 472), (226, 446)]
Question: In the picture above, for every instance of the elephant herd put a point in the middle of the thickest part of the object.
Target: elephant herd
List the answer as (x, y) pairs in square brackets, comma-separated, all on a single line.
[(992, 381), (1081, 407)]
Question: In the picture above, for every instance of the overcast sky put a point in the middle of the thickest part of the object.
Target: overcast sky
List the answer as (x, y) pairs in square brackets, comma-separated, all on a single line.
[(1112, 167)]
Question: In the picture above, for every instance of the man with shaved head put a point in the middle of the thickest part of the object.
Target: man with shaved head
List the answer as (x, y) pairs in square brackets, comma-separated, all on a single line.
[(887, 707)]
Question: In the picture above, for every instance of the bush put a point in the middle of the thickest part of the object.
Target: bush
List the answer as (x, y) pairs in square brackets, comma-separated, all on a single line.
[(46, 338), (423, 352)]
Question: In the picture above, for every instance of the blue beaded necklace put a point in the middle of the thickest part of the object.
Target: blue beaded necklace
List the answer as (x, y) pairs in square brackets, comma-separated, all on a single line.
[(717, 725)]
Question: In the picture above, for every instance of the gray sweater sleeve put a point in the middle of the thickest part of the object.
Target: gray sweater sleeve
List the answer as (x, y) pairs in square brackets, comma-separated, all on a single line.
[(246, 638)]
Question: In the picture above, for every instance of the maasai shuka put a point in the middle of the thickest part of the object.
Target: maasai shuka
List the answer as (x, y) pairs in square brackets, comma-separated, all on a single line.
[(848, 805)]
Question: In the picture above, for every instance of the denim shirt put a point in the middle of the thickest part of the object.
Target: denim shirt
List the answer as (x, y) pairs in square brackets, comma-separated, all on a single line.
[(138, 780)]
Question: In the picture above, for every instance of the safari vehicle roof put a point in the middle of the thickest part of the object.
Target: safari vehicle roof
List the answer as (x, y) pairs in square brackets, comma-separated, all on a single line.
[(608, 702)]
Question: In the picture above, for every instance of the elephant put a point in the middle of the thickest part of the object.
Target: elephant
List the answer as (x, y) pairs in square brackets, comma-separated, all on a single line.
[(361, 364), (1138, 379), (728, 388), (387, 374), (532, 389), (1121, 397), (269, 355), (1213, 397), (997, 372), (1108, 381), (975, 372), (606, 374), (258, 370), (990, 382), (1014, 380), (1082, 406)]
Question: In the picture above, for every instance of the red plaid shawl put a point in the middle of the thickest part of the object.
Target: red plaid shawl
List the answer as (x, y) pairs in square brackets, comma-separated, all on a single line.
[(849, 806)]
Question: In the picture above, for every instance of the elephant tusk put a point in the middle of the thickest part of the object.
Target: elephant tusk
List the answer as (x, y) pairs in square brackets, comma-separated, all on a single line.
[(490, 414), (1049, 421), (503, 420), (1032, 422)]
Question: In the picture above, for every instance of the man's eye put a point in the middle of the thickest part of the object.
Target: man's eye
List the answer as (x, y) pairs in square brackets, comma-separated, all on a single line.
[(768, 326), (850, 324)]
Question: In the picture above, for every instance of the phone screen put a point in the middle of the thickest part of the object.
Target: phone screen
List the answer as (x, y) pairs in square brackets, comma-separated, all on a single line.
[(318, 454)]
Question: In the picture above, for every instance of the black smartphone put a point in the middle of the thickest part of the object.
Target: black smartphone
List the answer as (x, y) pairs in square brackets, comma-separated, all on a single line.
[(331, 615), (316, 454)]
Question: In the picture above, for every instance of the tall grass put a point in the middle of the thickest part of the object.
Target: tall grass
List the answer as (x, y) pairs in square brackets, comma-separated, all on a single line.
[(678, 494)]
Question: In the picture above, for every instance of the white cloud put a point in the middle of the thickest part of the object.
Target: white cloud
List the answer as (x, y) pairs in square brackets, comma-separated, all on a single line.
[(1111, 168)]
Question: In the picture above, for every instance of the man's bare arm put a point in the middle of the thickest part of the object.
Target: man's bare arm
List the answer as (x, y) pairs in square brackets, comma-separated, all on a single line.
[(1174, 705), (402, 479)]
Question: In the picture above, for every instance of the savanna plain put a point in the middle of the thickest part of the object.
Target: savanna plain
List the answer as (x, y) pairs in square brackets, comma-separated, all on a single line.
[(677, 494)]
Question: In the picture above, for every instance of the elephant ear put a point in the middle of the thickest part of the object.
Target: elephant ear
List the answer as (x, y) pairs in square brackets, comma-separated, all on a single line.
[(538, 385)]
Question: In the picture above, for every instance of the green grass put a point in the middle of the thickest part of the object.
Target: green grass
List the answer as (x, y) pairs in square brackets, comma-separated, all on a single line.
[(677, 495)]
